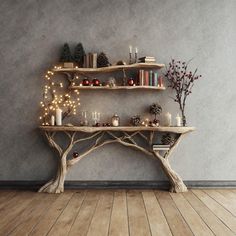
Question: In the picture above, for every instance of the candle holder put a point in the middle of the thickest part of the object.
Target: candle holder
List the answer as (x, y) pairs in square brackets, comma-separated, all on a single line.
[(136, 57), (84, 121), (130, 58), (96, 117)]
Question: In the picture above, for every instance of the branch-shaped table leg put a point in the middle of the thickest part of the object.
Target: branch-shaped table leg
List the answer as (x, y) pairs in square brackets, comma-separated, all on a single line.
[(56, 185), (177, 184)]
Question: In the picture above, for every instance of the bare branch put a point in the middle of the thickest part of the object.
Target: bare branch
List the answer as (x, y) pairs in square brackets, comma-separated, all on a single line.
[(87, 138), (53, 143)]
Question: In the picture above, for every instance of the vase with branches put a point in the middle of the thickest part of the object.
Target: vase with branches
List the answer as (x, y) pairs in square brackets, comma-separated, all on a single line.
[(181, 79)]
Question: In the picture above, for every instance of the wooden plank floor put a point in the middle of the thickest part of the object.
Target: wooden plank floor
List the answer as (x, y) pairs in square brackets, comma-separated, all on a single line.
[(119, 213)]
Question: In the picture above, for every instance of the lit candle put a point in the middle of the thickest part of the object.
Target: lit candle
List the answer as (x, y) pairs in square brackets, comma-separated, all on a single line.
[(168, 119), (52, 120), (130, 49), (136, 50), (58, 116), (178, 120)]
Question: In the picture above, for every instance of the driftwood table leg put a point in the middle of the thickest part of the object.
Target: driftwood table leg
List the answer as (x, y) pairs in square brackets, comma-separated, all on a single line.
[(56, 185), (177, 184)]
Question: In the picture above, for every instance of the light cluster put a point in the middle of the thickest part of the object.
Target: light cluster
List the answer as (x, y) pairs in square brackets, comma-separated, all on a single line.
[(57, 95)]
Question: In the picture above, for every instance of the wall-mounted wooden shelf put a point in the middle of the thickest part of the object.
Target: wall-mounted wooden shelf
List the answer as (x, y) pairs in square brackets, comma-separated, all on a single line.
[(111, 68), (117, 88)]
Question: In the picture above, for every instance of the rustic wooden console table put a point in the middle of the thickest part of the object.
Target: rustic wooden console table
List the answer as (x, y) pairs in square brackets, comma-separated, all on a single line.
[(99, 136)]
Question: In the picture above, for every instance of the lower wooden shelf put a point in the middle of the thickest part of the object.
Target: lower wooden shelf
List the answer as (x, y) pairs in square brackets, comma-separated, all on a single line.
[(137, 87)]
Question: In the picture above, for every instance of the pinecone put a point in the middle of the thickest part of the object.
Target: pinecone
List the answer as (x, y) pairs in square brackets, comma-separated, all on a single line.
[(102, 60), (135, 120), (155, 109), (167, 139)]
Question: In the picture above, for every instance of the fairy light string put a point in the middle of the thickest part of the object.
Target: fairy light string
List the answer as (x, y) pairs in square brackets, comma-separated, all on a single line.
[(57, 95)]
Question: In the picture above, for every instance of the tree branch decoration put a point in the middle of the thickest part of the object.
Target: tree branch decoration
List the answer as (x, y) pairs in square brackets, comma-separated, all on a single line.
[(101, 138), (56, 95), (181, 80)]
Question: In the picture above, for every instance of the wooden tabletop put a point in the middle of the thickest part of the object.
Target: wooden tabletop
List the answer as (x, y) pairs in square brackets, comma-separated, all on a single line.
[(89, 129)]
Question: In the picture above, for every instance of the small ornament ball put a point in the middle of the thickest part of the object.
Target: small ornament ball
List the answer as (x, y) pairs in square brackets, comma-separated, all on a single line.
[(75, 154)]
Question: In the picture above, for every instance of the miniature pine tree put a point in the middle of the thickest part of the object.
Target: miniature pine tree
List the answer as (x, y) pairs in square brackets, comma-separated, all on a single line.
[(79, 54), (66, 54), (102, 60)]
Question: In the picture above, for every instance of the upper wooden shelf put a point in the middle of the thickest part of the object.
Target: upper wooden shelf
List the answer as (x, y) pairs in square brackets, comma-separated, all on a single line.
[(89, 129), (116, 87), (111, 68)]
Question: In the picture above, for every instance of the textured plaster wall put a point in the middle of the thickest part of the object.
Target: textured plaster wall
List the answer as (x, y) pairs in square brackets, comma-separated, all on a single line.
[(32, 33)]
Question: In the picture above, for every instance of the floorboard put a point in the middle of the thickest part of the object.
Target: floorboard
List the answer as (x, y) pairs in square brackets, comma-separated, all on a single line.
[(156, 218), (101, 219), (214, 223), (138, 222), (194, 221), (119, 216), (118, 213), (173, 216), (51, 216), (224, 215), (82, 222)]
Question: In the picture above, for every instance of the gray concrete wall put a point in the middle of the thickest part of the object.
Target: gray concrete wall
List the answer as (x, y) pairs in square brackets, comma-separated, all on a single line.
[(32, 33)]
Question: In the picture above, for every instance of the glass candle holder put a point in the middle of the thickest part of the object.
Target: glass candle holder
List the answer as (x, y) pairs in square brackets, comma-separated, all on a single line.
[(115, 120)]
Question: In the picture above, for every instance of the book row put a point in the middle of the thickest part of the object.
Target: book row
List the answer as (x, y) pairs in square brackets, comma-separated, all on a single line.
[(149, 78), (90, 60)]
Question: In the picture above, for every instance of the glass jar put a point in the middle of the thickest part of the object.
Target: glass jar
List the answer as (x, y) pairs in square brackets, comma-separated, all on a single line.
[(115, 120)]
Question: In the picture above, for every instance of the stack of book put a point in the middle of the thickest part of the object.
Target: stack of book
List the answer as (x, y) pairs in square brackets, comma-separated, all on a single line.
[(147, 59), (161, 147), (90, 60), (149, 78)]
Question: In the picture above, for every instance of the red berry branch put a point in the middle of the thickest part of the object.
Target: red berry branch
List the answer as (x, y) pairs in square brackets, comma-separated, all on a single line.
[(182, 81)]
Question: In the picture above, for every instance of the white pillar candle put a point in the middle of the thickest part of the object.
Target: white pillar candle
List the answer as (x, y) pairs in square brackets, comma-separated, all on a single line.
[(168, 119), (52, 120), (130, 49), (58, 116), (178, 120)]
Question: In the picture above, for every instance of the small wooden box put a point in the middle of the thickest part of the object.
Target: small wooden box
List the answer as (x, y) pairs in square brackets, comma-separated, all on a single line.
[(68, 65)]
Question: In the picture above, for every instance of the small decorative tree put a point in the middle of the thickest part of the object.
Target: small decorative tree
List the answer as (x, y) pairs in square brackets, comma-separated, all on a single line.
[(66, 54), (182, 81), (155, 109), (79, 54), (102, 60)]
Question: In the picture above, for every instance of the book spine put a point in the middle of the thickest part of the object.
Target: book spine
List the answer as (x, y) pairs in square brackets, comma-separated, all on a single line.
[(94, 57), (91, 60), (150, 78), (146, 78), (161, 149), (161, 146), (139, 78), (155, 78), (160, 81), (85, 60)]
